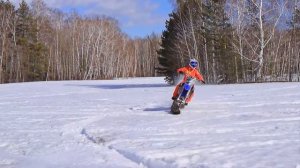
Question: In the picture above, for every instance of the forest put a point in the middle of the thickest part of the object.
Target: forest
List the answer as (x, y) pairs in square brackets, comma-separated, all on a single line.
[(235, 41), (38, 43)]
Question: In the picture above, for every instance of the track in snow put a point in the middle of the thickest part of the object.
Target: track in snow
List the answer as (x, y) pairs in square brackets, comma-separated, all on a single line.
[(125, 123)]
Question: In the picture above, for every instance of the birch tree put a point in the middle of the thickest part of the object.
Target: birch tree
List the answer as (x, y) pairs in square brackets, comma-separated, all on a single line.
[(264, 14)]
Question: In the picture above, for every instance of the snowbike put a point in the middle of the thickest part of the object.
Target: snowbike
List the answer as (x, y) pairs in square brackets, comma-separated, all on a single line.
[(184, 93)]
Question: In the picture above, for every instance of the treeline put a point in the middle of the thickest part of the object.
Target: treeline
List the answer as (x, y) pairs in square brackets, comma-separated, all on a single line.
[(38, 43), (235, 41)]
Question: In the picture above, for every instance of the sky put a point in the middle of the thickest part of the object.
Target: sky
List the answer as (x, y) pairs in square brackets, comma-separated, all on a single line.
[(137, 18)]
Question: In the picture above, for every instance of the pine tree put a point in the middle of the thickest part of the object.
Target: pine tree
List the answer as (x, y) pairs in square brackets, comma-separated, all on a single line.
[(196, 29), (181, 41), (217, 32), (31, 50), (167, 54)]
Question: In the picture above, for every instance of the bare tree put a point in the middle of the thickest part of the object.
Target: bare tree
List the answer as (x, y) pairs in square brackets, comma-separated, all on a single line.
[(273, 12), (6, 28)]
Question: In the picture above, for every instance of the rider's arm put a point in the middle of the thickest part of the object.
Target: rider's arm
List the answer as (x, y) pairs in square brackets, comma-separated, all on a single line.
[(181, 70), (199, 77)]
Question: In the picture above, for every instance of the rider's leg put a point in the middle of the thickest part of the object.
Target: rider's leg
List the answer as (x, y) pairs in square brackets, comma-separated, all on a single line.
[(175, 93), (190, 96)]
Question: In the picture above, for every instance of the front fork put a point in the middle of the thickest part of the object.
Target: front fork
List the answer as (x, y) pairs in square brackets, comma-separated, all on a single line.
[(184, 91)]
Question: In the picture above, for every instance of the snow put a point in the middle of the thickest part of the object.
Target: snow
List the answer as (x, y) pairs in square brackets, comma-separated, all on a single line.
[(125, 123)]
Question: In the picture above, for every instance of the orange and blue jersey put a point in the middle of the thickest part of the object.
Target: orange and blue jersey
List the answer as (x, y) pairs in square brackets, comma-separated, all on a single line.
[(190, 72)]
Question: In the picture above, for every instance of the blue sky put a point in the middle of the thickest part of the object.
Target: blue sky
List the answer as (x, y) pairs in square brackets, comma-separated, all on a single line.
[(137, 18)]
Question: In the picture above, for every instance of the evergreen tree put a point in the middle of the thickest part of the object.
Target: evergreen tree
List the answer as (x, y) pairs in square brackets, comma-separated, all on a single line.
[(30, 49), (191, 27), (24, 20), (217, 32), (181, 41), (167, 55)]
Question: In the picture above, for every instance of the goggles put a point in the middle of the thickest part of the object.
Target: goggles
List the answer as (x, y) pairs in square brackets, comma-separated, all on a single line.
[(194, 64)]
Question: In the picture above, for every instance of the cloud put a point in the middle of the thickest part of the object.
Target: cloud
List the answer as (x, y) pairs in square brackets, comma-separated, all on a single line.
[(136, 17), (128, 12)]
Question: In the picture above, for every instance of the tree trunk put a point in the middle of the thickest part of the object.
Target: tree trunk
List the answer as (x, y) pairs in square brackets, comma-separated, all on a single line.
[(261, 43)]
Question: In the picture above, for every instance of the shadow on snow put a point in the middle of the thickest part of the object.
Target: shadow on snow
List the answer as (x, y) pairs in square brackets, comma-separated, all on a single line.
[(123, 86), (158, 109)]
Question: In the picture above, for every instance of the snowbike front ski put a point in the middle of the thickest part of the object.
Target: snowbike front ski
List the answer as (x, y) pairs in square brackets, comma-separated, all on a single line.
[(177, 106)]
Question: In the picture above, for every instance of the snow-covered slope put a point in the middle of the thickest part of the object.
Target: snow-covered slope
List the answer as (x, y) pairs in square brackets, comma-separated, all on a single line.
[(125, 123)]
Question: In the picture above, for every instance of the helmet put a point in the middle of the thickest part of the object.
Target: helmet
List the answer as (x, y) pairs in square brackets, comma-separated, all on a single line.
[(193, 63)]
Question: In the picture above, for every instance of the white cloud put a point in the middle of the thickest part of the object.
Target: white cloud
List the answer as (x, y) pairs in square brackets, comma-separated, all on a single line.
[(128, 12)]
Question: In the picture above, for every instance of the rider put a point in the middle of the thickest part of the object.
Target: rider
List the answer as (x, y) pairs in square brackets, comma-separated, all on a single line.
[(188, 71)]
